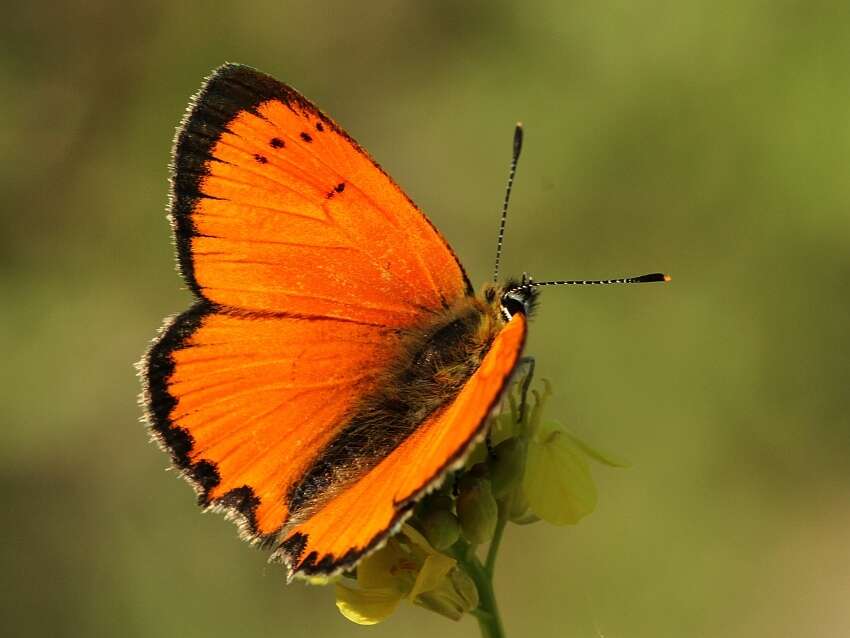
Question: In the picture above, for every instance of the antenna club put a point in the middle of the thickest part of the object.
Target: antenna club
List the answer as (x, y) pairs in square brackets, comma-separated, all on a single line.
[(667, 277), (518, 134)]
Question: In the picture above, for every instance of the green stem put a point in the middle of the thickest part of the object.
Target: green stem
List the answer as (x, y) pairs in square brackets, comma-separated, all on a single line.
[(493, 550), (487, 612)]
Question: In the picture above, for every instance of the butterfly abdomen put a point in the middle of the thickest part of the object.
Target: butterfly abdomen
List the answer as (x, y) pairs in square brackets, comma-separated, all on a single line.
[(434, 364)]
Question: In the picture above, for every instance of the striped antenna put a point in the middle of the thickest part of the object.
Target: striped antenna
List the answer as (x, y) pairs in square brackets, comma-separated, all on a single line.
[(643, 279), (511, 174)]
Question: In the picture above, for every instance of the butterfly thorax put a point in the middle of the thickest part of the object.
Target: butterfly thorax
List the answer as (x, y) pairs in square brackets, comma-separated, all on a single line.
[(436, 360)]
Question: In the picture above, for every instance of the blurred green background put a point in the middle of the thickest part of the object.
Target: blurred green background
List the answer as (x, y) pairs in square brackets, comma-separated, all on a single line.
[(707, 139)]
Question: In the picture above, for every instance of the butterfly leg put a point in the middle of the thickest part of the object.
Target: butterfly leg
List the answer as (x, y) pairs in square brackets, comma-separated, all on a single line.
[(525, 385), (488, 440), (527, 362)]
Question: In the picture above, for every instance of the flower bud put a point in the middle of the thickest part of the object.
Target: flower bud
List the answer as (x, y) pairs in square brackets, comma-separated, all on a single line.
[(479, 470), (506, 466), (477, 509), (440, 527), (518, 509)]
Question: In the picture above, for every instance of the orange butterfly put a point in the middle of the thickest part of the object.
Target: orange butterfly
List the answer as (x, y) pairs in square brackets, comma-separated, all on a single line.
[(336, 364)]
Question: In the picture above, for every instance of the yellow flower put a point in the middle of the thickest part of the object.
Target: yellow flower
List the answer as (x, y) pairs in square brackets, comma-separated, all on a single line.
[(557, 478), (407, 567), (557, 481)]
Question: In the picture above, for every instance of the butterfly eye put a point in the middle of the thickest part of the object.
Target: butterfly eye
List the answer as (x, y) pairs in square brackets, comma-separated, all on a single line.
[(515, 301)]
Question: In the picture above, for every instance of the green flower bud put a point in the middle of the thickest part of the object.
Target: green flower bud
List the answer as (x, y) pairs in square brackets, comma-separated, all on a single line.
[(520, 512), (479, 470), (477, 509), (506, 466), (518, 505), (441, 500), (440, 527)]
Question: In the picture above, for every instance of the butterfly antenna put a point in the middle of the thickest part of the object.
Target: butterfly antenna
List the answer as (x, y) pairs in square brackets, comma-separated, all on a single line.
[(511, 173), (643, 279)]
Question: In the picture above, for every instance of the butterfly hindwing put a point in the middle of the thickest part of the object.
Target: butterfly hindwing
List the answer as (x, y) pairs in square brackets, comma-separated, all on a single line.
[(360, 518), (244, 403)]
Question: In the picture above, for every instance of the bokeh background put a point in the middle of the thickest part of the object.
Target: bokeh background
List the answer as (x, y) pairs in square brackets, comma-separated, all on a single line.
[(707, 139)]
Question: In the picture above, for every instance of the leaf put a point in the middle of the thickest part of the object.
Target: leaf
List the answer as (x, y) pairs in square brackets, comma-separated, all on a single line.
[(557, 479)]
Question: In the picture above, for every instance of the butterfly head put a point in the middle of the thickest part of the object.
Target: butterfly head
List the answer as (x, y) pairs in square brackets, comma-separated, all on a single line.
[(511, 297)]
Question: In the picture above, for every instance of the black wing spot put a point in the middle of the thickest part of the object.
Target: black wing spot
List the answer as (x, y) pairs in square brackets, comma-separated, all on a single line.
[(276, 142), (306, 137), (319, 127), (336, 189), (262, 159)]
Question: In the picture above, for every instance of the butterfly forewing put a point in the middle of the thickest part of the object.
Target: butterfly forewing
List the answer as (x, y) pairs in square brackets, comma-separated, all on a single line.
[(278, 210)]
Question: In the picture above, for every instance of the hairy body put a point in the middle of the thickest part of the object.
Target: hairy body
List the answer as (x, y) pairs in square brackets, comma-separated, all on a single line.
[(437, 359)]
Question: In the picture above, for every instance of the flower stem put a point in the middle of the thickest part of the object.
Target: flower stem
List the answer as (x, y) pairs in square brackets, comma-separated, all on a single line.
[(493, 550), (487, 613)]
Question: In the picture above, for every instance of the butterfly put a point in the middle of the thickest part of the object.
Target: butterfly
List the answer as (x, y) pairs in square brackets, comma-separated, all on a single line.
[(337, 363)]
